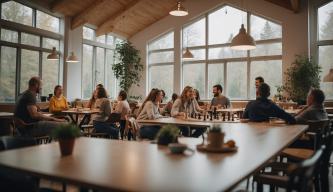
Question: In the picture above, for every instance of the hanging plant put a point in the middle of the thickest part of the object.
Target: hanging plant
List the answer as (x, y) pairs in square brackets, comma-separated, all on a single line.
[(127, 68), (302, 75)]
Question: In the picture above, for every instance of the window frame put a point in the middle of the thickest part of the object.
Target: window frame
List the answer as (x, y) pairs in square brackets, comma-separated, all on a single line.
[(41, 33)]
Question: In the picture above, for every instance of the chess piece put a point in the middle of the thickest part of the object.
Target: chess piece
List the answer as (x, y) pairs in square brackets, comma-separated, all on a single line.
[(204, 117), (215, 113), (223, 117), (232, 117), (211, 116), (228, 116), (195, 115)]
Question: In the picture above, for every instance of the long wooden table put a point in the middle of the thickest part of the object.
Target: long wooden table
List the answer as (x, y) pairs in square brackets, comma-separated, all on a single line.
[(75, 113), (141, 166)]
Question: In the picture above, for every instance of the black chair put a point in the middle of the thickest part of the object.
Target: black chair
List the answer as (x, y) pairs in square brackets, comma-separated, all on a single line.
[(299, 176), (11, 180)]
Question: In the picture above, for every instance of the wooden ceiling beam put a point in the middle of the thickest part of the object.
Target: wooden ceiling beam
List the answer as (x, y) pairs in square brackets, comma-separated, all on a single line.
[(58, 5), (293, 5), (108, 25), (82, 17)]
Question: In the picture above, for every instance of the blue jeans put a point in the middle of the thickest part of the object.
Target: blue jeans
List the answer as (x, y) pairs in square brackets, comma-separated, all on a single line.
[(187, 131), (104, 127), (149, 132)]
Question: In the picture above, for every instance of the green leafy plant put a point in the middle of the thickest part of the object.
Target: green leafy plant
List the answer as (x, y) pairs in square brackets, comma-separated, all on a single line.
[(215, 129), (127, 67), (279, 90), (167, 134), (68, 131), (302, 75)]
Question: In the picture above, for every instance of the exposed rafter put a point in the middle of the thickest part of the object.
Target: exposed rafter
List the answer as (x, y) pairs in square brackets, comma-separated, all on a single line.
[(58, 5), (108, 25), (293, 5), (81, 18)]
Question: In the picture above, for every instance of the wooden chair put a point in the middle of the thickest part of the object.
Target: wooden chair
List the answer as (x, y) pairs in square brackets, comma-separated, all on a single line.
[(22, 127), (132, 126), (299, 176)]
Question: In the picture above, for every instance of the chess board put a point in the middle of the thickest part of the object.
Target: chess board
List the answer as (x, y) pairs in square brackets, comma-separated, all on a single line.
[(236, 120)]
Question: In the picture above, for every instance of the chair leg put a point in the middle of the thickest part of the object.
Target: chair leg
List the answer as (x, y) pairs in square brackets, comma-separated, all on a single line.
[(317, 184)]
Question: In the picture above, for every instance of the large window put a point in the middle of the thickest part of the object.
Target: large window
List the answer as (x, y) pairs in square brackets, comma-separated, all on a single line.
[(215, 62), (160, 63), (325, 45), (24, 50), (97, 61)]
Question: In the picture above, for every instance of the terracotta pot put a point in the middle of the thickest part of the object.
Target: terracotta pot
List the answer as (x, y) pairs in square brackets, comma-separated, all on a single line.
[(215, 140), (66, 146)]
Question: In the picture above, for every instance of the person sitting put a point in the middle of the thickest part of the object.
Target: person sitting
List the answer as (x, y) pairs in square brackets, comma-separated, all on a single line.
[(257, 81), (314, 109), (26, 110), (219, 99), (124, 109), (196, 95), (262, 108), (92, 100), (163, 93), (58, 102), (184, 106), (149, 111), (167, 108), (100, 119)]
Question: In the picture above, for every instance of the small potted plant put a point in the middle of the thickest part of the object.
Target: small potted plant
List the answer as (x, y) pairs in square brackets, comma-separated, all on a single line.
[(66, 135), (167, 134), (215, 137)]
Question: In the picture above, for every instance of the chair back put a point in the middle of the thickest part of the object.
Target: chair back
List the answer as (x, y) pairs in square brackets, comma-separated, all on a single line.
[(21, 126), (301, 175), (321, 129), (114, 118), (10, 142)]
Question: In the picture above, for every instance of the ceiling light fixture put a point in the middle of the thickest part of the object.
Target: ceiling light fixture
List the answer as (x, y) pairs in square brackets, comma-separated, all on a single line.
[(179, 11), (72, 58), (53, 55)]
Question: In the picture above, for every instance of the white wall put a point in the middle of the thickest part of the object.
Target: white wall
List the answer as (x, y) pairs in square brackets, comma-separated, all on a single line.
[(294, 35)]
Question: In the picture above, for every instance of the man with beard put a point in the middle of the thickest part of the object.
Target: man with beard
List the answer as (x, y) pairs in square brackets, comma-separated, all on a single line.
[(26, 109), (219, 100)]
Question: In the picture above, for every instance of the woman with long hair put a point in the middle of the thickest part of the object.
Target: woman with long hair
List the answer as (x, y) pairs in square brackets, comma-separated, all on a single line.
[(149, 110), (167, 108), (124, 109), (58, 102), (187, 105)]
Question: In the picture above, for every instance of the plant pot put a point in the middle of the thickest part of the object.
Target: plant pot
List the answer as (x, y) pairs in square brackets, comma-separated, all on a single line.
[(215, 140), (66, 146), (166, 140)]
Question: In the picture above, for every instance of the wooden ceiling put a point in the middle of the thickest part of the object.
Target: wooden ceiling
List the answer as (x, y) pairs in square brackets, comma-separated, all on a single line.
[(293, 5), (123, 17)]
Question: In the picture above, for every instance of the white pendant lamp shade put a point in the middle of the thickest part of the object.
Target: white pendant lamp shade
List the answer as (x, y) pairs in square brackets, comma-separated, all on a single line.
[(243, 41), (188, 55), (329, 76), (53, 55), (179, 11), (72, 58)]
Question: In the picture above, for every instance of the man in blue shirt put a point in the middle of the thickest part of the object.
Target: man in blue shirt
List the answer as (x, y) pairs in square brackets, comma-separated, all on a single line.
[(263, 108)]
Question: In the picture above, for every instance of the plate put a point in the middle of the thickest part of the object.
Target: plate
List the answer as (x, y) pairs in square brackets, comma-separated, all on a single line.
[(224, 149)]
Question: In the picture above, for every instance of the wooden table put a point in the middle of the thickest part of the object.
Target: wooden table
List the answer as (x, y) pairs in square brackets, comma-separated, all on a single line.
[(7, 123), (329, 110), (75, 113), (292, 111), (141, 166)]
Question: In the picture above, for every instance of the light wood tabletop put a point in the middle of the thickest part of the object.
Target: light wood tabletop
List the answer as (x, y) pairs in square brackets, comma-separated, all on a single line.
[(6, 115), (141, 166)]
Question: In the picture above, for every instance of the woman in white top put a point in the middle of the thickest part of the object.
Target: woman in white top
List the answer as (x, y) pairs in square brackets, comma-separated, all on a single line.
[(187, 104), (124, 109), (149, 110), (100, 119)]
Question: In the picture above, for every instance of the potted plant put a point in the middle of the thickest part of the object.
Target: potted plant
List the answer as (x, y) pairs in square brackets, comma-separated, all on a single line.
[(302, 75), (215, 137), (167, 134), (66, 135), (127, 68)]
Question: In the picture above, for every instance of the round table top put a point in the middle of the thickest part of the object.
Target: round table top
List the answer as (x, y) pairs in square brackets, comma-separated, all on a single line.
[(6, 115)]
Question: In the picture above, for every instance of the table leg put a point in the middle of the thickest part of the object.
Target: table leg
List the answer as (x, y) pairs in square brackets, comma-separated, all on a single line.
[(85, 117), (72, 118)]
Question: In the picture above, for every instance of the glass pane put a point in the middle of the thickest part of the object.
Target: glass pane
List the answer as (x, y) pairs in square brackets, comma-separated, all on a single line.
[(326, 62), (88, 33), (9, 35), (215, 76), (50, 43), (164, 42), (99, 73), (325, 22), (7, 74), (161, 77), (16, 12), (225, 52), (263, 29), (29, 39), (109, 40), (224, 24), (236, 80), (194, 34), (271, 71), (199, 54), (110, 78), (161, 57), (87, 66), (47, 22), (101, 39), (267, 49), (29, 67), (194, 75), (50, 72)]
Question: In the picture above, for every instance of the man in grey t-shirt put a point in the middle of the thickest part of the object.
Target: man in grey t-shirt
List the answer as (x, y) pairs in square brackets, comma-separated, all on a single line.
[(219, 99)]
